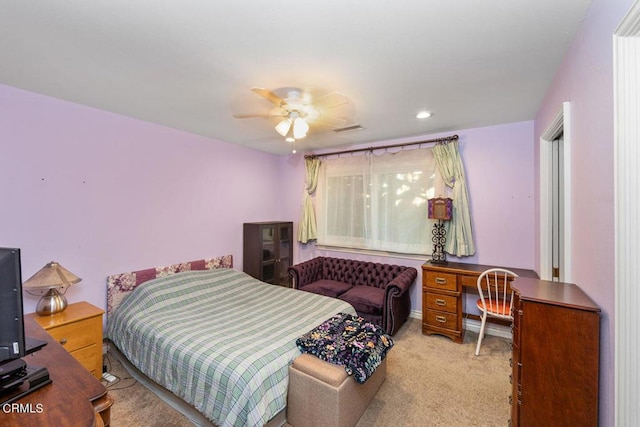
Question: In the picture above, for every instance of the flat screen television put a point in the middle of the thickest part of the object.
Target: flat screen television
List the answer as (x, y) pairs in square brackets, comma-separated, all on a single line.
[(16, 378), (12, 341)]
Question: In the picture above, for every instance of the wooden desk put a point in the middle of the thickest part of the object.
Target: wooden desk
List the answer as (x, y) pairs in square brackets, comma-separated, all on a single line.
[(74, 398), (442, 292)]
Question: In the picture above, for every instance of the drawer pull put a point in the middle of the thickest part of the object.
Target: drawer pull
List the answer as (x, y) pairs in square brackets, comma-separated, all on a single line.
[(441, 281), (441, 302), (63, 341), (441, 319)]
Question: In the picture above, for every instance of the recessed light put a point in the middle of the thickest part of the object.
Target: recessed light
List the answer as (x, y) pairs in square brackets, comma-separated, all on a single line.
[(423, 115)]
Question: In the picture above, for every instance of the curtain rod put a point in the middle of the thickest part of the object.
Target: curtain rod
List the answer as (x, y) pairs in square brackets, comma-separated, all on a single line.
[(384, 147)]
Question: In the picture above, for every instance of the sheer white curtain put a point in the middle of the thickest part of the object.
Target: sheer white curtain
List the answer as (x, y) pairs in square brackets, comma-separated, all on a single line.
[(378, 202)]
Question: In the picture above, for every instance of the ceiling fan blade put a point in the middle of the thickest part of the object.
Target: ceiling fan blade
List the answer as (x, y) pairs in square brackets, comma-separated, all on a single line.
[(267, 94), (333, 122), (250, 116), (263, 115), (330, 100)]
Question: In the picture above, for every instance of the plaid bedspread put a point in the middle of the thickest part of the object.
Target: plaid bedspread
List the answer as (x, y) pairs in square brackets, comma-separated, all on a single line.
[(220, 339)]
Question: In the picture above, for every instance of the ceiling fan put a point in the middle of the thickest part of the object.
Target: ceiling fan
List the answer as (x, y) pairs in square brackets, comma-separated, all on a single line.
[(298, 110)]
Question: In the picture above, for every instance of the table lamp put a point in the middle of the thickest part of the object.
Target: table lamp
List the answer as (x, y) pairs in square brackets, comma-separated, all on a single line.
[(441, 209), (49, 279)]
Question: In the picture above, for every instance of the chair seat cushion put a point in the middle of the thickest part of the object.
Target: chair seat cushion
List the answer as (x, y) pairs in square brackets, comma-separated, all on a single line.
[(365, 299), (330, 288), (499, 307)]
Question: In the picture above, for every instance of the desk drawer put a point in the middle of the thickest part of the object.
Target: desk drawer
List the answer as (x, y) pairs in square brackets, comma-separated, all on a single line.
[(442, 319), (444, 281), (469, 281), (441, 302)]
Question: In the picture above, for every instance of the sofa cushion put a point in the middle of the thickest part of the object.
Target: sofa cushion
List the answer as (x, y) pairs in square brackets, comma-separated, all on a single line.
[(331, 288), (365, 299)]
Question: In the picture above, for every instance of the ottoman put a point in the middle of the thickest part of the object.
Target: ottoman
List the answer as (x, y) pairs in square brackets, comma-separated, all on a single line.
[(322, 394)]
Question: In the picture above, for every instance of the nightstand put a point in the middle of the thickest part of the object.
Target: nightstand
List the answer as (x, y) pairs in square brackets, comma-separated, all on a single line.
[(79, 330)]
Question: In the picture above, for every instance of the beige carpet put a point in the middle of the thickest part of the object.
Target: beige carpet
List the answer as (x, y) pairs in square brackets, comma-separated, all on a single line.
[(135, 405), (431, 381)]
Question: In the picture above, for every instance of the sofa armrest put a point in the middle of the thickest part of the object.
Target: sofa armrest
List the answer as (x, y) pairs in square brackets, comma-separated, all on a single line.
[(306, 272), (397, 300), (402, 282)]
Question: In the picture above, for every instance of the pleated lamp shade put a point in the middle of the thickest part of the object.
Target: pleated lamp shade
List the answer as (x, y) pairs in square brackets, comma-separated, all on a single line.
[(49, 279)]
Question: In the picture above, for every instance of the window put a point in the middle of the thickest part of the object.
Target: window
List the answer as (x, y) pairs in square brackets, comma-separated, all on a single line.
[(378, 202)]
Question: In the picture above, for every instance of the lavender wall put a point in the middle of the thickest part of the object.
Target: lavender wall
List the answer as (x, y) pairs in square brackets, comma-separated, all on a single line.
[(102, 193), (499, 166), (586, 80)]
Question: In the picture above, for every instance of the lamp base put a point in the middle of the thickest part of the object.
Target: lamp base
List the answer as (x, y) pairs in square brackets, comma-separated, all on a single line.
[(51, 303), (439, 238)]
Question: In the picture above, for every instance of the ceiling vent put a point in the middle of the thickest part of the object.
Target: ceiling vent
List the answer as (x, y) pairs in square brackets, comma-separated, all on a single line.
[(348, 128)]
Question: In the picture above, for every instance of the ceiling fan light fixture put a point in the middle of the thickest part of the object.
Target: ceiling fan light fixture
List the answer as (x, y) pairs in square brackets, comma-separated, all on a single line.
[(283, 127), (300, 128), (310, 113), (289, 135), (296, 111)]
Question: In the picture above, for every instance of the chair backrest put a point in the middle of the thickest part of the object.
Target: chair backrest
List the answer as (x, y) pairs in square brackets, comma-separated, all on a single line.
[(494, 287)]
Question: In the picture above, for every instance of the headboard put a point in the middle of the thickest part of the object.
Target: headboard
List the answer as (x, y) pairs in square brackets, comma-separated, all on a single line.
[(120, 285)]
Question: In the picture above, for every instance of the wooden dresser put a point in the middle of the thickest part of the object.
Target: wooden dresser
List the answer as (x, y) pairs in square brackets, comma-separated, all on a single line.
[(79, 330), (556, 350), (442, 292)]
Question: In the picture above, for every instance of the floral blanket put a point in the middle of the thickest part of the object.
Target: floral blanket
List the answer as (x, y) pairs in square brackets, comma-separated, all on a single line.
[(349, 341)]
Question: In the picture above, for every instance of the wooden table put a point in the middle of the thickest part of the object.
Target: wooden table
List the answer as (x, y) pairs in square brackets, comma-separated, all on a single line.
[(443, 286), (74, 398)]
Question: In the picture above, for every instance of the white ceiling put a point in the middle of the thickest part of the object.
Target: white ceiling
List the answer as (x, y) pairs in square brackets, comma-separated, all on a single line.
[(191, 64)]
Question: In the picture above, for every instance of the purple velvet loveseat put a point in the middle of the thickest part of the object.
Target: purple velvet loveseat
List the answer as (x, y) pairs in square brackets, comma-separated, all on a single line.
[(379, 292)]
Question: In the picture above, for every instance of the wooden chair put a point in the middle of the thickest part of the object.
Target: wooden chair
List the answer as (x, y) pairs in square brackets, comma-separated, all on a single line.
[(496, 297)]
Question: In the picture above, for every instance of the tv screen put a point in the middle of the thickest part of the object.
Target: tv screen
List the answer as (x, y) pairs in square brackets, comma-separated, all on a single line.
[(12, 343)]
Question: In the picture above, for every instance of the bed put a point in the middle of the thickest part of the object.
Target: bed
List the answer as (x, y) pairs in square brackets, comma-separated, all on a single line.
[(215, 337)]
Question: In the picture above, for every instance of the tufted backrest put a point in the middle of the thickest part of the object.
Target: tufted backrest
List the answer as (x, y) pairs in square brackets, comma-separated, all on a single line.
[(309, 271), (359, 273), (342, 270), (378, 275)]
